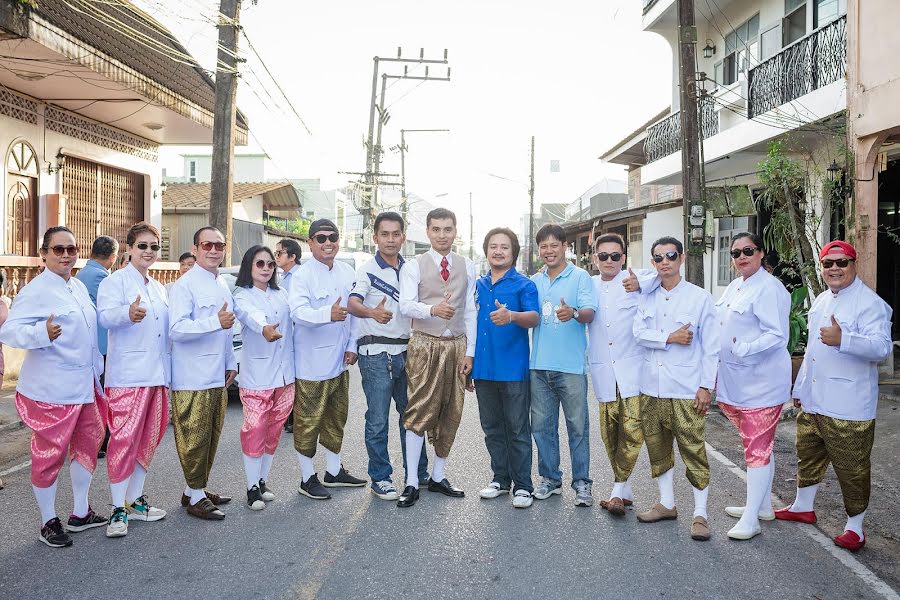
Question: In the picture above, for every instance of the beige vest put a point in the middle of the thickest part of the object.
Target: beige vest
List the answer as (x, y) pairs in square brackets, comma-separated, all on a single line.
[(433, 289)]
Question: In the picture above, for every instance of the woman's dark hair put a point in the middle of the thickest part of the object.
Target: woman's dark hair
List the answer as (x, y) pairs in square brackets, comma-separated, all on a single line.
[(757, 241), (245, 275), (550, 230), (513, 240), (139, 228), (45, 243)]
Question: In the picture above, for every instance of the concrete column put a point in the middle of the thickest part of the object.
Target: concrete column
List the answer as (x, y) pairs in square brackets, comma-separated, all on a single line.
[(865, 207)]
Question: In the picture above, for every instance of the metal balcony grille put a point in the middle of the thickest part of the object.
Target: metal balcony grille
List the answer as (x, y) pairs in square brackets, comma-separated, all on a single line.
[(664, 138)]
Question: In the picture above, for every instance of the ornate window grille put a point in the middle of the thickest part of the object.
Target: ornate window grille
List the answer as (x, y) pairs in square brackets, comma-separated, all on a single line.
[(664, 138)]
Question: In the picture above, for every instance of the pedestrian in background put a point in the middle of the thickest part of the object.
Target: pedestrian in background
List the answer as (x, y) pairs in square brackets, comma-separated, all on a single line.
[(287, 257), (267, 369), (185, 262)]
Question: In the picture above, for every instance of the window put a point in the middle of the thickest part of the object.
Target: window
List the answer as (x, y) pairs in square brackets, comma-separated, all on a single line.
[(741, 47), (770, 42), (825, 12), (192, 171), (728, 227), (793, 26)]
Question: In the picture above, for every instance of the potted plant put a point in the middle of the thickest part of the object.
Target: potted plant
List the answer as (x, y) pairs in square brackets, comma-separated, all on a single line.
[(798, 329)]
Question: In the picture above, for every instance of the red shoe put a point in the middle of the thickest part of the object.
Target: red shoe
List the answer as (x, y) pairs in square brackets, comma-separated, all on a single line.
[(785, 514), (850, 541)]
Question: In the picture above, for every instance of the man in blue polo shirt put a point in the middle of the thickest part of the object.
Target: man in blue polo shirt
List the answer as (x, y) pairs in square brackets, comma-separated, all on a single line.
[(507, 303), (558, 371)]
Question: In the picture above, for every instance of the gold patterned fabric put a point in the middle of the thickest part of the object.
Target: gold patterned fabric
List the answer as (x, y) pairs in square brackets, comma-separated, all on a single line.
[(847, 445), (198, 416), (666, 419), (436, 388), (620, 428), (320, 413)]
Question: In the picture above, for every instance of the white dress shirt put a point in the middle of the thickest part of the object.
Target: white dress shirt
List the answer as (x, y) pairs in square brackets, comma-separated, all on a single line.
[(842, 383), (614, 357), (410, 307), (676, 370), (264, 365), (320, 343), (286, 277), (201, 350), (139, 354), (755, 370), (66, 370), (376, 281)]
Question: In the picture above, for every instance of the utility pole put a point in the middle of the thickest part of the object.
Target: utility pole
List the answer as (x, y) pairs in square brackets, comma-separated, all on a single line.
[(471, 230), (691, 167), (531, 215), (221, 185), (404, 203)]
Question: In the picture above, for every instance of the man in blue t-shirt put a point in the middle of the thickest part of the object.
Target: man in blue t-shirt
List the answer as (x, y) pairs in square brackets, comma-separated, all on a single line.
[(558, 371), (507, 304)]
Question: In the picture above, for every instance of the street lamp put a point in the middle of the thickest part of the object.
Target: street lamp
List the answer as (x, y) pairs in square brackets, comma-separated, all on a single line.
[(709, 49)]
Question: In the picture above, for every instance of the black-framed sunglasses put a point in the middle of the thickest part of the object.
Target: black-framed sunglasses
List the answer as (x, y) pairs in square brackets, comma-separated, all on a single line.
[(321, 238), (671, 256), (841, 262), (605, 256), (59, 250), (145, 245), (207, 246), (748, 251), (279, 253), (261, 264)]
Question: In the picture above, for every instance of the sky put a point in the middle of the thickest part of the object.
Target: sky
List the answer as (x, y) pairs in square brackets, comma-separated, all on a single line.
[(578, 75)]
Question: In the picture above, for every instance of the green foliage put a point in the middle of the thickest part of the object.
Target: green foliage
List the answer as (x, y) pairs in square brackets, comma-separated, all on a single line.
[(30, 3), (296, 226), (797, 320)]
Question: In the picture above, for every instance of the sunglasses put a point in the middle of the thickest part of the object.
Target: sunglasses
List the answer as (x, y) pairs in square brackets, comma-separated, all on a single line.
[(828, 263), (280, 253), (261, 264), (321, 238), (605, 256), (671, 256), (748, 251), (207, 246), (67, 250), (145, 245)]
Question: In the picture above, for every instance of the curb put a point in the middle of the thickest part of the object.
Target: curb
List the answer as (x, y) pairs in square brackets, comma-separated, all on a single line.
[(12, 426)]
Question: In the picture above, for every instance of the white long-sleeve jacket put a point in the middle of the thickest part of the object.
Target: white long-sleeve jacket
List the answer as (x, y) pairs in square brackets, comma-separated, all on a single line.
[(264, 365)]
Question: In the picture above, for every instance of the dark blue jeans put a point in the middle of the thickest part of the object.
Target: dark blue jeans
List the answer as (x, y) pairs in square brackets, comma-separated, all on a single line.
[(383, 378), (549, 390), (504, 409)]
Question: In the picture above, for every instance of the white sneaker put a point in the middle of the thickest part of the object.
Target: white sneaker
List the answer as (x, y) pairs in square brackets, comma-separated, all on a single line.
[(118, 523), (493, 490), (140, 510), (522, 499), (738, 511), (744, 532)]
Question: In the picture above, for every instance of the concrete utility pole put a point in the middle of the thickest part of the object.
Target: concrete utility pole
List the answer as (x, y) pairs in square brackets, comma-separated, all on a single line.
[(531, 215), (404, 201), (691, 167), (471, 230), (221, 185)]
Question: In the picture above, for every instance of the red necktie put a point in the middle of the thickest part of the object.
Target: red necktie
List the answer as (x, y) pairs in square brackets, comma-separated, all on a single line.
[(445, 274)]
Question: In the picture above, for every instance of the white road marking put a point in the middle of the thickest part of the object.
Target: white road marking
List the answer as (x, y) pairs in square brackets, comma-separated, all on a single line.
[(18, 467)]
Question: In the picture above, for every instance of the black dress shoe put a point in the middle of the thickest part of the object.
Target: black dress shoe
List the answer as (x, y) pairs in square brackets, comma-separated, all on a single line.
[(409, 497), (443, 486)]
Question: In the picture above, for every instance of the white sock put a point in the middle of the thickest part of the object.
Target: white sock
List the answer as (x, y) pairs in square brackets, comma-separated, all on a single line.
[(627, 493), (266, 466), (855, 523), (700, 497), (307, 469), (757, 487), (440, 465), (617, 491), (187, 491), (81, 486), (252, 468), (136, 484), (46, 499), (332, 462), (806, 496), (666, 485), (196, 495), (118, 493), (414, 444)]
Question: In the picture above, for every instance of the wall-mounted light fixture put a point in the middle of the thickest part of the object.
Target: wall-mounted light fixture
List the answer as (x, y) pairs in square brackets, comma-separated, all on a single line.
[(709, 49), (60, 163)]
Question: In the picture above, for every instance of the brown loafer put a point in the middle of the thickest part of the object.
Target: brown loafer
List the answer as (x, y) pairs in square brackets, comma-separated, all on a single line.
[(625, 501), (658, 513), (700, 529), (214, 498), (205, 509), (616, 507)]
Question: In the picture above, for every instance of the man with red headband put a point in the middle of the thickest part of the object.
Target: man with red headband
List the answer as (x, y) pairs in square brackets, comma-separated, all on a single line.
[(837, 388)]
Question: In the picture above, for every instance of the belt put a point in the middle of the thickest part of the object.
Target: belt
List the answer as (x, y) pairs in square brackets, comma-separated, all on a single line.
[(377, 339)]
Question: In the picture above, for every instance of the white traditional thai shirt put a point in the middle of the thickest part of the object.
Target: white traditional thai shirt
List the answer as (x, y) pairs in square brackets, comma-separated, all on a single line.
[(264, 365)]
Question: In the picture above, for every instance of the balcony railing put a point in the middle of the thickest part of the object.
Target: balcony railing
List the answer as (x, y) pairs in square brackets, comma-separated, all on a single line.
[(664, 138), (806, 65)]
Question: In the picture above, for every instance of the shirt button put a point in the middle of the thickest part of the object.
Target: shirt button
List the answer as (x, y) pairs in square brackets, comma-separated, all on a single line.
[(607, 324), (814, 380), (613, 362), (658, 364), (667, 299), (610, 343)]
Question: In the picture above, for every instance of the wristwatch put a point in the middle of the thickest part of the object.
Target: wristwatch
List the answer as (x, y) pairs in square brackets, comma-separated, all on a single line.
[(575, 314)]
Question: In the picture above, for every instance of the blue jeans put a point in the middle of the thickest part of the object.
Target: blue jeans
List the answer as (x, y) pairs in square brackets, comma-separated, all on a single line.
[(503, 407), (549, 390), (384, 377)]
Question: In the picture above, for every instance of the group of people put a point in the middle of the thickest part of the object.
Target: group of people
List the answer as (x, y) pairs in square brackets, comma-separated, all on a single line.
[(424, 331)]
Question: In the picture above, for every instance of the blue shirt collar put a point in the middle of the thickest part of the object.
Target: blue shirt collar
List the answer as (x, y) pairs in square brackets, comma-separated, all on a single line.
[(565, 272), (385, 265), (510, 274)]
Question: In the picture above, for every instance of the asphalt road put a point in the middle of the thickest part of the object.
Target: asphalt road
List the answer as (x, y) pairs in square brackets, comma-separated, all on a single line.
[(357, 546)]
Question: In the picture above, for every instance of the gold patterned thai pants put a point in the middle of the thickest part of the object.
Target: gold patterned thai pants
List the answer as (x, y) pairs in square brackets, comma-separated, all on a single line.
[(198, 416), (436, 388), (320, 413), (620, 428), (847, 445), (665, 419)]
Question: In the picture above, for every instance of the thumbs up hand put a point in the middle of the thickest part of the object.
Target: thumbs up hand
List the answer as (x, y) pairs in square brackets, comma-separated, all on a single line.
[(501, 316), (135, 312), (631, 283), (271, 333), (831, 335), (564, 312), (444, 310), (683, 335), (381, 314), (53, 330), (338, 312), (226, 318)]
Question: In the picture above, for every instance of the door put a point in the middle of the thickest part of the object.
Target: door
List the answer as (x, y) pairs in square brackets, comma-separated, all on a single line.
[(21, 201)]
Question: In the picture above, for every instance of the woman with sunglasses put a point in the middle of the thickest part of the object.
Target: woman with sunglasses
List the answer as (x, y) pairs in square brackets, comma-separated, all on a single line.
[(54, 319), (134, 308), (267, 368), (754, 378)]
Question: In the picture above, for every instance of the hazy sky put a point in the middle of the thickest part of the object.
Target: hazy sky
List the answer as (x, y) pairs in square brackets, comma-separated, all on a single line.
[(578, 75)]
